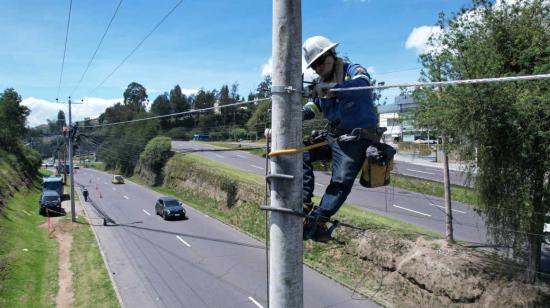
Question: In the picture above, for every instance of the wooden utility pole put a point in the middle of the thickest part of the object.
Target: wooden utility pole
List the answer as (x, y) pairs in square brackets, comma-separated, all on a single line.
[(286, 246), (447, 189)]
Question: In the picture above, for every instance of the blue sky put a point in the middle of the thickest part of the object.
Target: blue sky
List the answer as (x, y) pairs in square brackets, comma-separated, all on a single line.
[(203, 44)]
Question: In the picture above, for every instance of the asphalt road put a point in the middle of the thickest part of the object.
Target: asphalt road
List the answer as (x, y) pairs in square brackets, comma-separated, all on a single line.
[(418, 209), (421, 210), (429, 173), (199, 262)]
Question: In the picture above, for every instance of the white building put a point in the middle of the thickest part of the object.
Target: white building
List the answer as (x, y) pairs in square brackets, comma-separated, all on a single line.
[(396, 118)]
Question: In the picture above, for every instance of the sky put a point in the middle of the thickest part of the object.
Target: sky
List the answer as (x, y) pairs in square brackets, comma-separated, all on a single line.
[(202, 44)]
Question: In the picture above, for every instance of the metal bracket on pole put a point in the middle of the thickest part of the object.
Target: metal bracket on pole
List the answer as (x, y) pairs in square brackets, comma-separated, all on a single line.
[(279, 176), (282, 210), (284, 89)]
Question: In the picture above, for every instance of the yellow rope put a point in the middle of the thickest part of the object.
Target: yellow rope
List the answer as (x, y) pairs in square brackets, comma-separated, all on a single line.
[(299, 150)]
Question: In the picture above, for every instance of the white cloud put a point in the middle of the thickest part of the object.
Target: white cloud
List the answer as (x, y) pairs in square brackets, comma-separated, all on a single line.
[(419, 37), (371, 70), (188, 91), (267, 68), (41, 110)]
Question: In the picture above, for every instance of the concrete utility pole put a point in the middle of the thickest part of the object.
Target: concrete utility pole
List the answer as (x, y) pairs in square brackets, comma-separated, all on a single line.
[(447, 189), (73, 214), (286, 246)]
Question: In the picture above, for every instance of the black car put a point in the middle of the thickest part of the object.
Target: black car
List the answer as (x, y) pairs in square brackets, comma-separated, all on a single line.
[(170, 208), (50, 200)]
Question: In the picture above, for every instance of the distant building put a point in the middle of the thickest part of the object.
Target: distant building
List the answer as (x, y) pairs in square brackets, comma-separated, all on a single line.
[(397, 119)]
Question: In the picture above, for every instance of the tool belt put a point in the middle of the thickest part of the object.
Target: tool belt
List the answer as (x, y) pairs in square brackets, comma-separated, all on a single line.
[(373, 134)]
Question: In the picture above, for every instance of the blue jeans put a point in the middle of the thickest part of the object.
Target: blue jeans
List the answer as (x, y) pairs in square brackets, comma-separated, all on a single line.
[(347, 160)]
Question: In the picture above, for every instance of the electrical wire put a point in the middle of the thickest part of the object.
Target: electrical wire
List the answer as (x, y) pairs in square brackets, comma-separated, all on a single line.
[(137, 46), (175, 114), (65, 48), (97, 48)]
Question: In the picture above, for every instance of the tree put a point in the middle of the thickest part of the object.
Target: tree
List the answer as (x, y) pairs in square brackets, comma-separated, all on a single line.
[(13, 117), (135, 97), (264, 88), (501, 129), (161, 106)]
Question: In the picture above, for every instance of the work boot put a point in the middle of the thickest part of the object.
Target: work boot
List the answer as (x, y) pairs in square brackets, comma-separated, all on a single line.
[(322, 233), (316, 230)]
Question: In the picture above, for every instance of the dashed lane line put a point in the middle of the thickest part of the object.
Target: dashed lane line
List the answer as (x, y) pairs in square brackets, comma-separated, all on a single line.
[(126, 197), (219, 156), (146, 212), (257, 167), (183, 241), (320, 184), (113, 188), (406, 209), (462, 212)]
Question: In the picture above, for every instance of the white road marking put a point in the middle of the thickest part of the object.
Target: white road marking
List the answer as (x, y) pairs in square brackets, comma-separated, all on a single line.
[(220, 156), (181, 240), (195, 146), (105, 183), (257, 167), (255, 302), (146, 212), (417, 212), (420, 171), (241, 156), (126, 197), (445, 208), (113, 188), (320, 184)]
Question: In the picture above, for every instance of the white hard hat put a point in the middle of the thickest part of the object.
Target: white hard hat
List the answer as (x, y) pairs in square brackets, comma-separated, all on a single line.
[(316, 46)]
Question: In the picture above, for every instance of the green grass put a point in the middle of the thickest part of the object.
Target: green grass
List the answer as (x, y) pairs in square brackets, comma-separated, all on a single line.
[(28, 258), (257, 152), (433, 188), (92, 285)]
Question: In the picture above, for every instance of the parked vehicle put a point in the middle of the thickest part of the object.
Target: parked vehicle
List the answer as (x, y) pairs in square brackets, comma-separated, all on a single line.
[(50, 201), (117, 179), (168, 207), (54, 183)]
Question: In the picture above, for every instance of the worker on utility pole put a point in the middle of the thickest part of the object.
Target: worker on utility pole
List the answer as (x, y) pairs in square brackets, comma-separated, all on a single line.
[(353, 127)]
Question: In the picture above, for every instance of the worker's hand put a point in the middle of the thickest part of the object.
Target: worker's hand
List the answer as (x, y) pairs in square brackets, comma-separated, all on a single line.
[(322, 89)]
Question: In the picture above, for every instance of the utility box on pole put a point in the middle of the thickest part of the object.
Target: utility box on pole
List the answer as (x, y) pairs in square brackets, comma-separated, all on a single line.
[(286, 246)]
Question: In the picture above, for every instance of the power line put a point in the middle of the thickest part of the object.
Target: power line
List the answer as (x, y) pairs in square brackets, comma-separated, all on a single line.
[(176, 114), (65, 48), (137, 46), (447, 83), (98, 46)]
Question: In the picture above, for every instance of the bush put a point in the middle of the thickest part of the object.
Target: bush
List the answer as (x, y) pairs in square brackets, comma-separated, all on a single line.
[(178, 133), (154, 156)]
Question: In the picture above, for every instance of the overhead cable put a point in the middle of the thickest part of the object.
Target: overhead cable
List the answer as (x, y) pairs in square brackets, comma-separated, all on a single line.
[(447, 83), (178, 113), (65, 48), (97, 48), (137, 46)]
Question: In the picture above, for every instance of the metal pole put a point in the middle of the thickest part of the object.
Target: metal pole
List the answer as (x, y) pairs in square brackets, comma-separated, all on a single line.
[(285, 268), (447, 189), (73, 214)]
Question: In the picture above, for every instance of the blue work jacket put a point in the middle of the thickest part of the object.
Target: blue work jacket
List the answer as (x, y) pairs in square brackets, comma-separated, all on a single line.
[(348, 109)]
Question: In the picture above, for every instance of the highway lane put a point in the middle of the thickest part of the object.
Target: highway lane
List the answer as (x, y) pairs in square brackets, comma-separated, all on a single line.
[(422, 210), (420, 168), (198, 262)]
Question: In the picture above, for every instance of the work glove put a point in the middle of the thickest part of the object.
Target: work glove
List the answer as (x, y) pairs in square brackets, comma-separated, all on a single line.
[(322, 89), (307, 114)]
